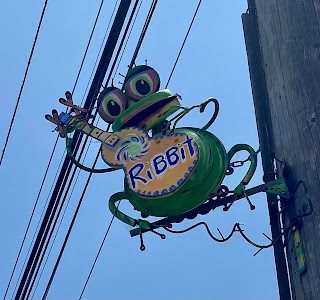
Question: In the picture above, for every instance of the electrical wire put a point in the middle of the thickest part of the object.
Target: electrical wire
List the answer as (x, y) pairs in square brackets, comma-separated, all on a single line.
[(122, 40), (56, 217), (125, 46), (143, 32), (30, 219), (148, 19), (49, 163), (95, 260), (99, 52), (57, 138), (23, 81), (88, 44), (68, 233), (34, 235), (81, 198), (80, 201), (59, 226), (194, 16)]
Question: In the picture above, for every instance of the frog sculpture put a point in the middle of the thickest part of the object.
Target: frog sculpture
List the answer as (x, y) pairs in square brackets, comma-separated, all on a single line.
[(169, 173)]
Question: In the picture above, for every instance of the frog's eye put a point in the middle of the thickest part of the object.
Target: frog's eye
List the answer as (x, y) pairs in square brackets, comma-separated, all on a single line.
[(142, 82), (111, 103)]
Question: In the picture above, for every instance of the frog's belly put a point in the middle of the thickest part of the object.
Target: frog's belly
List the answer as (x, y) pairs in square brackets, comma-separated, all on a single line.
[(205, 179)]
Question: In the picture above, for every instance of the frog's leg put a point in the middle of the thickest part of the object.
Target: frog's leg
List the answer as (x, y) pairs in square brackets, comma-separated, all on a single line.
[(122, 216), (240, 189), (143, 224)]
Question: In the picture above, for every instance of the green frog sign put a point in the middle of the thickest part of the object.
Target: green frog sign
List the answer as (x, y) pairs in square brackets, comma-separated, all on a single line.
[(168, 171)]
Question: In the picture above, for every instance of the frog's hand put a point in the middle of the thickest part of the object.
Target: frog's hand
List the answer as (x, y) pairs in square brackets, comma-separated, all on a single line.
[(215, 114), (123, 217), (253, 159)]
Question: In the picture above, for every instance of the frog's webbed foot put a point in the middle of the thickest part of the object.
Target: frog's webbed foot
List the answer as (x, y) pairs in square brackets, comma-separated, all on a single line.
[(145, 225), (237, 193)]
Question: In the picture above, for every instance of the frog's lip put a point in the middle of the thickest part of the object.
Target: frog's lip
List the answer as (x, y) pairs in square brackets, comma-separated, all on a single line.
[(143, 113), (153, 107)]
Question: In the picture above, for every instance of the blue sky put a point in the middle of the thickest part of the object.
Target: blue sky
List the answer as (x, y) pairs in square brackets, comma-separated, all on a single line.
[(213, 64)]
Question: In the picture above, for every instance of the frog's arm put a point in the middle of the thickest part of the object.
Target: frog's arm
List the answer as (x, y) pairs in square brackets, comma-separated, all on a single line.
[(79, 165), (215, 114), (202, 106), (123, 217), (253, 165)]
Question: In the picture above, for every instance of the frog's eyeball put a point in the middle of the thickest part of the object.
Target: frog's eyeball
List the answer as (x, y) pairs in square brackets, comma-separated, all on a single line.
[(141, 82), (111, 103)]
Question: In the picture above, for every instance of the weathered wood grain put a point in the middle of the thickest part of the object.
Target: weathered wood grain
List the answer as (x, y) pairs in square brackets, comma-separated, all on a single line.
[(290, 42)]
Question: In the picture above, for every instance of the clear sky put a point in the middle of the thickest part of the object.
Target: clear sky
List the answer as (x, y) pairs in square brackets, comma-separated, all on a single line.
[(213, 64)]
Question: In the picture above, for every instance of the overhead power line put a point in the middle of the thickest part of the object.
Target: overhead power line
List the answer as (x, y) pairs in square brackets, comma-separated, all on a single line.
[(88, 44), (96, 159), (53, 150), (143, 32), (184, 41), (66, 167), (23, 81), (139, 43), (28, 226)]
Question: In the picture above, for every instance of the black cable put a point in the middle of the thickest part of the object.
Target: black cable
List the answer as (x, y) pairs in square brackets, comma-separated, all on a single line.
[(80, 201), (143, 32), (94, 263), (122, 40), (68, 233), (125, 46), (23, 81), (88, 180), (43, 231), (38, 225), (49, 163), (194, 16), (148, 19), (88, 44), (59, 226), (56, 217), (97, 58), (52, 206), (30, 219)]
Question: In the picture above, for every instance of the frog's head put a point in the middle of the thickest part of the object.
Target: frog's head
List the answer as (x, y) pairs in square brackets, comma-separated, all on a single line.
[(140, 104)]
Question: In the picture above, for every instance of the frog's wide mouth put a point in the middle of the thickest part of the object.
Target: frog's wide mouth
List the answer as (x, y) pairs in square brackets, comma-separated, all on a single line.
[(148, 112)]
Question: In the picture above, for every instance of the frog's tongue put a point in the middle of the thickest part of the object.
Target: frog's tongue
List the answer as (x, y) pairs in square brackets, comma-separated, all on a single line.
[(145, 112)]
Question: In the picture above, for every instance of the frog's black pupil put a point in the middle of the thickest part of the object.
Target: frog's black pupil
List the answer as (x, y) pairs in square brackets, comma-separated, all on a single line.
[(143, 87), (113, 108)]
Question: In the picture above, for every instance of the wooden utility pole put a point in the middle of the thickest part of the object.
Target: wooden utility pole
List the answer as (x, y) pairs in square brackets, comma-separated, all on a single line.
[(283, 46)]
